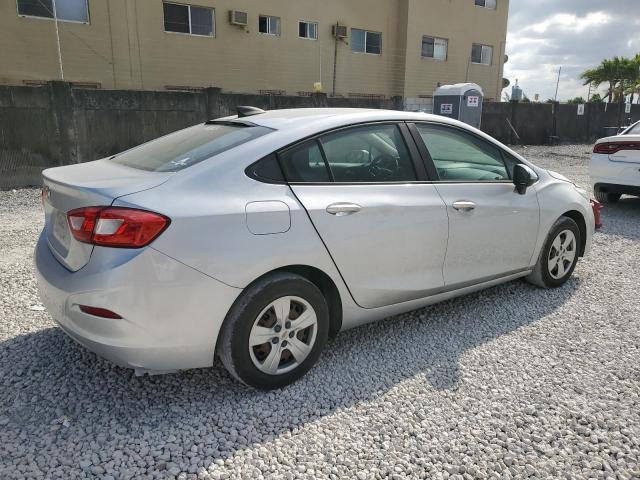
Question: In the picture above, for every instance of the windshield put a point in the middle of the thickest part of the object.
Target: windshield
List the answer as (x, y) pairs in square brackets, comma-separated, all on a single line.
[(633, 130), (187, 147)]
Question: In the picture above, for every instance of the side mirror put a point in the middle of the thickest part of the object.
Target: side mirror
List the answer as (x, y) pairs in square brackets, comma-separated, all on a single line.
[(523, 178)]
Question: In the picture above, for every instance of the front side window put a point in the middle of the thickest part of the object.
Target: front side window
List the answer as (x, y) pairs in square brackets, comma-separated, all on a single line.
[(434, 47), (65, 10), (486, 4), (462, 157), (269, 25), (308, 30), (364, 41), (372, 153), (187, 147), (481, 54), (188, 19)]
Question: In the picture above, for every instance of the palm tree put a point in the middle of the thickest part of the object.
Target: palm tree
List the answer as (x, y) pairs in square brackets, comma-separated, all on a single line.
[(619, 73), (605, 72), (627, 76), (633, 85), (632, 90)]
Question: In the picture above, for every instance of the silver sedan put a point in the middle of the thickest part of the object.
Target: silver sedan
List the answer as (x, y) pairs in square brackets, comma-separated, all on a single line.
[(255, 238)]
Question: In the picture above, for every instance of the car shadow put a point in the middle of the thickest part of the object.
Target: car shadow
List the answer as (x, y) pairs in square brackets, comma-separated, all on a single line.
[(47, 378), (616, 218)]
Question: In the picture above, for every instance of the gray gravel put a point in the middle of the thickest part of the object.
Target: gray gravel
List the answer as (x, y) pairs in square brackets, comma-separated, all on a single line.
[(511, 382)]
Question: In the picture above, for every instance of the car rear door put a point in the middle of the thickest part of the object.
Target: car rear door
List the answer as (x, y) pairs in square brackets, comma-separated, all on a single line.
[(492, 228), (384, 226)]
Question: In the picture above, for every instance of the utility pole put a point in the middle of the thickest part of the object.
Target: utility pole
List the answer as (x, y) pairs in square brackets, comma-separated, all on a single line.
[(466, 75), (555, 98), (319, 61), (335, 59), (55, 18)]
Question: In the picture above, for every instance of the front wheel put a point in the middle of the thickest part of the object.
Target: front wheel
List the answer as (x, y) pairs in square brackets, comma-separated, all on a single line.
[(559, 255), (275, 331)]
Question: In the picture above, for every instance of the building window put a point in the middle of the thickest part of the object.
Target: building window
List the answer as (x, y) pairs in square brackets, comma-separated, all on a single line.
[(486, 4), (65, 10), (364, 41), (188, 19), (308, 30), (481, 54), (434, 47), (269, 25)]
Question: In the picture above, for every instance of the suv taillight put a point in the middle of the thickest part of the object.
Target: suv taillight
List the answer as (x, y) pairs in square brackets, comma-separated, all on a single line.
[(609, 148), (116, 226)]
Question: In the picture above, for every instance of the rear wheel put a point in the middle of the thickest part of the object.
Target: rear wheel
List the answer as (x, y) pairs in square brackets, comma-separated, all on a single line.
[(604, 197), (559, 255), (275, 331)]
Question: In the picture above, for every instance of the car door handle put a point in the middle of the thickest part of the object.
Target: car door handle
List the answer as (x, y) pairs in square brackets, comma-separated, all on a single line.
[(464, 205), (342, 209)]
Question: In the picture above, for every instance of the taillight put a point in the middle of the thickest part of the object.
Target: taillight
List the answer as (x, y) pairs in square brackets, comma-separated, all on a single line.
[(99, 312), (82, 221), (116, 226), (609, 148)]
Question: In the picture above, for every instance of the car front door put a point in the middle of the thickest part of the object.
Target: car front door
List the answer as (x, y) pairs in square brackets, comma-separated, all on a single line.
[(492, 228), (385, 230)]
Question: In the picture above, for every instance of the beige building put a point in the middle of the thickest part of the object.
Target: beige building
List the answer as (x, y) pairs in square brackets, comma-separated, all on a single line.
[(383, 47)]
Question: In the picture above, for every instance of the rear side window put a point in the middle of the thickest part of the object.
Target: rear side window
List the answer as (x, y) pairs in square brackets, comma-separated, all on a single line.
[(266, 170), (367, 154), (634, 130), (372, 153), (459, 156), (187, 147), (304, 163)]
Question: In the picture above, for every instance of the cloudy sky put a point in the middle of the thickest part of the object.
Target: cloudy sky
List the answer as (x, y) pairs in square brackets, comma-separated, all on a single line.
[(577, 34)]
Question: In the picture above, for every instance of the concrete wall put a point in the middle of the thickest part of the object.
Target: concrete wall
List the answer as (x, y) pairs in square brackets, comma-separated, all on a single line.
[(29, 134), (55, 124), (124, 46)]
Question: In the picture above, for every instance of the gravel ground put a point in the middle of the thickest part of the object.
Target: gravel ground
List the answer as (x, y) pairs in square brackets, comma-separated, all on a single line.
[(511, 382)]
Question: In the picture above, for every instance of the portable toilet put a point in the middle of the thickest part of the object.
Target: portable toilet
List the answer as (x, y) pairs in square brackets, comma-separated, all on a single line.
[(462, 101)]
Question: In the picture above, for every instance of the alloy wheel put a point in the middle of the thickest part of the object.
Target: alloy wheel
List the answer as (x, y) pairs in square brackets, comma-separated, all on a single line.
[(562, 254)]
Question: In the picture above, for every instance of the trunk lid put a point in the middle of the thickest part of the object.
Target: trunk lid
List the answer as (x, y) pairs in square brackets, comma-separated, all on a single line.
[(89, 184), (623, 148)]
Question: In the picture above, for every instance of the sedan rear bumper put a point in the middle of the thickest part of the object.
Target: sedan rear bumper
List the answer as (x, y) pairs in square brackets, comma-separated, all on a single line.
[(618, 188), (614, 177), (171, 313)]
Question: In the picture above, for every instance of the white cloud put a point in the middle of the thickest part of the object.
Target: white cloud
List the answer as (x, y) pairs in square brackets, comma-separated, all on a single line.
[(574, 34), (570, 22)]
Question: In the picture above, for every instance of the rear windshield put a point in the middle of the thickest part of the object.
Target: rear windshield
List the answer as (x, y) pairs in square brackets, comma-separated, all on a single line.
[(634, 130), (187, 147)]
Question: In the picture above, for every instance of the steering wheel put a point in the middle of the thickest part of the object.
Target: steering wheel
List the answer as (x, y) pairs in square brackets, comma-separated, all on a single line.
[(383, 167)]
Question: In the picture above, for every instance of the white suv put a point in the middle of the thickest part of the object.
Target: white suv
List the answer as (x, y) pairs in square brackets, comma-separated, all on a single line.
[(615, 165)]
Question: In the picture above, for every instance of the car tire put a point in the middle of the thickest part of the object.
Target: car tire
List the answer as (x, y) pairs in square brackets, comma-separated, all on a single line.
[(253, 318), (605, 197), (559, 255)]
